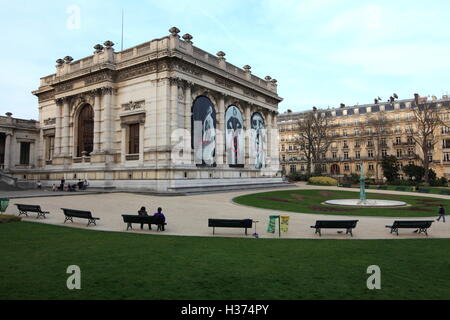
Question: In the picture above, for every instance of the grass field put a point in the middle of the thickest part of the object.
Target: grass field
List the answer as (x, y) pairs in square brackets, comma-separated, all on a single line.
[(310, 201), (130, 266)]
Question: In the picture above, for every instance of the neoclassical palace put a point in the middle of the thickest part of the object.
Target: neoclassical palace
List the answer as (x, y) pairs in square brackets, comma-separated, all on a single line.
[(164, 115), (356, 140)]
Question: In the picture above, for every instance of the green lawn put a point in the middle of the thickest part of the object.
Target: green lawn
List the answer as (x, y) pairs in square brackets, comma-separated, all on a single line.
[(34, 258), (310, 201)]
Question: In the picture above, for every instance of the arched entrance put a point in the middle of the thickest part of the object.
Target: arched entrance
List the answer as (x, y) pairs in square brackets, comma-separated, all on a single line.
[(335, 169), (85, 137)]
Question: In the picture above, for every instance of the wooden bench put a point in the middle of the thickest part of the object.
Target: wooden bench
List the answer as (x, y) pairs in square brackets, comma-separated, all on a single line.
[(230, 223), (400, 189), (349, 225), (72, 213), (421, 225), (446, 192), (424, 190), (130, 219), (346, 185), (25, 208), (382, 187)]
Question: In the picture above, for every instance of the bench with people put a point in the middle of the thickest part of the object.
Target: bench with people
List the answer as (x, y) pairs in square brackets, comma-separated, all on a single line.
[(158, 219)]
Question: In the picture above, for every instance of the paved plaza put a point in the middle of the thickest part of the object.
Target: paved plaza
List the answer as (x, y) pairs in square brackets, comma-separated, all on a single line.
[(188, 215)]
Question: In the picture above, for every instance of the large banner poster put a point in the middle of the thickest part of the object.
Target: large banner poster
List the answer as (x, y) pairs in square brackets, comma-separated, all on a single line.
[(234, 137), (204, 135), (258, 141)]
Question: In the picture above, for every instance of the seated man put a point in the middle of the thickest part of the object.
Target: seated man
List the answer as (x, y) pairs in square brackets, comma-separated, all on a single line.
[(143, 212), (161, 216)]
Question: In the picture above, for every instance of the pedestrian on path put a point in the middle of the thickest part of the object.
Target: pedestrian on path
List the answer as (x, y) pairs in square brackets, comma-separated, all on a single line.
[(441, 213)]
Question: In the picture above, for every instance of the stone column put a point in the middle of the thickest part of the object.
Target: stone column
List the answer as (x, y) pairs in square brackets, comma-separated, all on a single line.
[(141, 142), (187, 121), (269, 137), (123, 143), (106, 114), (65, 128), (173, 109), (7, 162), (220, 136), (58, 125), (97, 121), (248, 127)]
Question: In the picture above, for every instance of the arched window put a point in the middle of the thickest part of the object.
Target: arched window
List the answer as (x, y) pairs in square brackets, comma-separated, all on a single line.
[(234, 126), (204, 131), (85, 130)]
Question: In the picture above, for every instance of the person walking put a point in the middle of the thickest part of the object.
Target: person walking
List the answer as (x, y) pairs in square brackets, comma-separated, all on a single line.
[(441, 213)]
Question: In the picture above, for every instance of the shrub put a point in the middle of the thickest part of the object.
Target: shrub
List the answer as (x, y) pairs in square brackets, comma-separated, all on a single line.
[(297, 177), (323, 181), (5, 218)]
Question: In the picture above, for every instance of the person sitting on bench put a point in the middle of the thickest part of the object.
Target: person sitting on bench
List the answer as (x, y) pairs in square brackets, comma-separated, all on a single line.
[(61, 185), (80, 184), (161, 216), (143, 212)]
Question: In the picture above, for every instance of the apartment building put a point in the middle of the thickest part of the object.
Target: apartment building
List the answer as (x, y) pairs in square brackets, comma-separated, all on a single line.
[(363, 134)]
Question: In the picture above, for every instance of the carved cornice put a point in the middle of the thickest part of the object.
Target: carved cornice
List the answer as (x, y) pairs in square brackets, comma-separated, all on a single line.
[(133, 105), (49, 121)]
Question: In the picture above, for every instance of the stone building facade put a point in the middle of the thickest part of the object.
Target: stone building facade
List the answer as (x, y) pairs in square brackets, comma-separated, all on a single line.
[(19, 143), (138, 118), (356, 142)]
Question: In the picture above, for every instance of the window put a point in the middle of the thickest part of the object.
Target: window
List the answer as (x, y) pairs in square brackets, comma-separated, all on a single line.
[(346, 167), (371, 167), (345, 144), (357, 132), (346, 155), (384, 153), (397, 129), (133, 139), (447, 156), (430, 157), (334, 154), (398, 140), (293, 168), (410, 140), (345, 133), (357, 154), (410, 152), (370, 143), (399, 153), (357, 144), (370, 153), (24, 153), (85, 131), (49, 147), (282, 147), (358, 166), (446, 143), (383, 142), (445, 130), (302, 167)]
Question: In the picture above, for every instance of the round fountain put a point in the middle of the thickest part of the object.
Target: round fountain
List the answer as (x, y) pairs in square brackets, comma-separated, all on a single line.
[(362, 201)]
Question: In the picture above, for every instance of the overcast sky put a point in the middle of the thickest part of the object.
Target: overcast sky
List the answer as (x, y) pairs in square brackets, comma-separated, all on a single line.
[(322, 52)]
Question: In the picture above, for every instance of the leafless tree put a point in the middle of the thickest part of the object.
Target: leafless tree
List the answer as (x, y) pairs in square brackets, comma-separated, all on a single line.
[(380, 130), (427, 120), (313, 138)]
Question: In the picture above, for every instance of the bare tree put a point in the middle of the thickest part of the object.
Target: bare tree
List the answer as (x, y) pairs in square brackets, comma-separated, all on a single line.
[(427, 120), (304, 139), (313, 138), (380, 130)]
